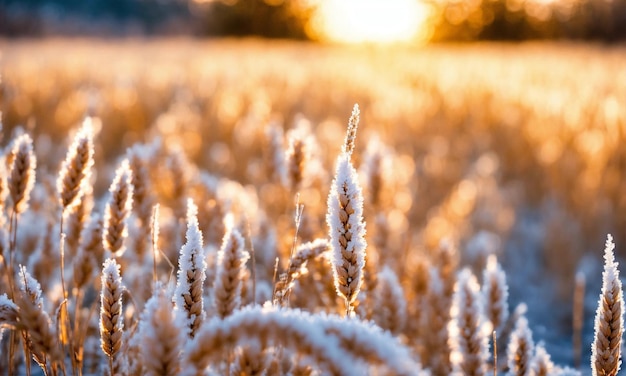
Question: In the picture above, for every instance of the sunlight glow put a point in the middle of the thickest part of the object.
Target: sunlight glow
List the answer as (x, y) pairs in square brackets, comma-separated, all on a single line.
[(363, 21)]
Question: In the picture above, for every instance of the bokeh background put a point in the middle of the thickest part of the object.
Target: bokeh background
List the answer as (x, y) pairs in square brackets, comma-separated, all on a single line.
[(321, 20)]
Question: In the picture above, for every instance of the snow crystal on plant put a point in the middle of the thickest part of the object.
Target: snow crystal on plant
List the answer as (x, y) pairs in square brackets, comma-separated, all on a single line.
[(29, 285)]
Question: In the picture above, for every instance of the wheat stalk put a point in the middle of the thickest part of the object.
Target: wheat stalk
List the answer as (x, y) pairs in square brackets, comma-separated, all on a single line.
[(433, 329), (297, 157), (117, 210), (389, 310), (609, 321), (541, 365), (76, 168), (345, 222), (191, 273), (231, 263), (22, 173), (162, 335), (111, 320), (37, 326), (4, 185), (520, 350), (8, 313), (250, 360), (468, 340), (495, 293), (275, 153), (297, 266)]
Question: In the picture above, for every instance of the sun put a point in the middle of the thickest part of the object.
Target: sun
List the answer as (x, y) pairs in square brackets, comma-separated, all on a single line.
[(372, 21)]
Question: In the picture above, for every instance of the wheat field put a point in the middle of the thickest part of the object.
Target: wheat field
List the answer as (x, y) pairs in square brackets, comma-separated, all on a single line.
[(245, 207)]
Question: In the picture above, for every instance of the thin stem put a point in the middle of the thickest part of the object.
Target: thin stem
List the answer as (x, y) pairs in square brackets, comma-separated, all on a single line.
[(253, 255), (495, 354), (12, 245), (78, 298), (154, 235), (65, 317)]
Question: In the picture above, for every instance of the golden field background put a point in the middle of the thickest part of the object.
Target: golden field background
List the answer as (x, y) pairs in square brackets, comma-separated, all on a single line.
[(512, 149)]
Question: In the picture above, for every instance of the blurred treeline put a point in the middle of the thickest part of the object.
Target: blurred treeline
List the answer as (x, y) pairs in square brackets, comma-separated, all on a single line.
[(449, 19)]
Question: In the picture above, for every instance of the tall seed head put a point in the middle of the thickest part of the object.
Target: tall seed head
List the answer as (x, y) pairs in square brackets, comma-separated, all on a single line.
[(111, 320), (345, 222), (118, 210), (609, 321), (76, 168), (22, 172)]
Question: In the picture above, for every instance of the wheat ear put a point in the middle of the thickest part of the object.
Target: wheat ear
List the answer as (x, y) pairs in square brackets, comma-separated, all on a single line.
[(345, 222), (162, 336), (4, 184), (22, 173), (111, 320), (191, 273), (21, 180), (275, 153), (609, 321), (541, 364), (433, 322), (389, 310), (297, 157), (297, 266), (495, 293), (231, 263), (250, 360), (41, 338), (76, 168), (520, 350), (468, 341), (118, 210), (8, 313)]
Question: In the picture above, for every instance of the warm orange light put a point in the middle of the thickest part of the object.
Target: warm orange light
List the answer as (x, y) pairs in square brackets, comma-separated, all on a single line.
[(378, 21)]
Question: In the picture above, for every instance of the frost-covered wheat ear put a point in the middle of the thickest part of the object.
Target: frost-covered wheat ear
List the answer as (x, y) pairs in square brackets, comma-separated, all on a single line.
[(111, 320), (345, 222), (469, 348), (231, 263), (76, 168), (609, 322), (495, 293), (162, 335), (191, 273), (521, 349), (22, 172), (118, 210)]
